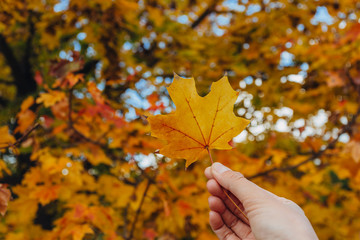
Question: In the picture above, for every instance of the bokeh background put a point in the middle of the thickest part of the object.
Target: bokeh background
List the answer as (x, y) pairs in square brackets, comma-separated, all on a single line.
[(79, 77)]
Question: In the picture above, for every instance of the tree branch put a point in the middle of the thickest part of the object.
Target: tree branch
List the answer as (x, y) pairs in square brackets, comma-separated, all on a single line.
[(29, 51), (206, 13), (345, 129), (139, 210), (20, 70), (225, 11), (13, 63), (22, 138), (2, 81), (353, 83)]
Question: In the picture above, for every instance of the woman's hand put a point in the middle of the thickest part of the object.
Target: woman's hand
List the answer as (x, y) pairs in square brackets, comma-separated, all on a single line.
[(270, 216)]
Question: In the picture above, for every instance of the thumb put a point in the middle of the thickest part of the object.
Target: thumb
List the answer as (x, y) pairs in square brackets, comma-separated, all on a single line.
[(245, 190)]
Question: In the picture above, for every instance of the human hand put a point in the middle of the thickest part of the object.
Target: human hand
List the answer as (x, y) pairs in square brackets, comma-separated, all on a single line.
[(270, 216)]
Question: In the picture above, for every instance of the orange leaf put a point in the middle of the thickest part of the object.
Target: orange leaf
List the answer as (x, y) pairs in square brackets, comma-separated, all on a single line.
[(25, 117), (28, 102), (46, 193), (184, 208), (153, 100), (25, 120), (6, 138), (334, 79), (199, 123), (166, 208)]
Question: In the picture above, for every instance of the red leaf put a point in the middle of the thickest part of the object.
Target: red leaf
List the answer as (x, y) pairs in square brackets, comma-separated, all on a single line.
[(150, 234), (38, 78), (5, 195)]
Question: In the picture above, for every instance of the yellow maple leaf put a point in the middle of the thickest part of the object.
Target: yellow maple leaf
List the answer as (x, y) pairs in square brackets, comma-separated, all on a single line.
[(50, 98), (199, 123)]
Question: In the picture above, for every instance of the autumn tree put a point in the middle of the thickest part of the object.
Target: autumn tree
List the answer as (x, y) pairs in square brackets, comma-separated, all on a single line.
[(78, 79)]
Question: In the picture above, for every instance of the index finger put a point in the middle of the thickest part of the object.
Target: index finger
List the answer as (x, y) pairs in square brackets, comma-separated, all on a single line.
[(208, 173)]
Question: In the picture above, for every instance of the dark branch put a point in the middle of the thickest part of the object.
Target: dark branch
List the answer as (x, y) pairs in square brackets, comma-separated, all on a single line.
[(133, 225), (2, 81), (21, 69), (13, 63), (29, 51), (355, 85), (3, 101), (22, 138), (225, 12), (88, 67), (206, 13)]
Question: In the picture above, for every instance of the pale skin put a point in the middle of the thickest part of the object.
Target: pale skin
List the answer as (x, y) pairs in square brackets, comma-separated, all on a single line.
[(270, 217)]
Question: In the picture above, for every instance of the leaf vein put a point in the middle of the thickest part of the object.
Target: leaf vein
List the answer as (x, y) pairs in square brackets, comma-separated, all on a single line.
[(197, 123), (189, 148), (213, 123), (222, 134), (181, 132)]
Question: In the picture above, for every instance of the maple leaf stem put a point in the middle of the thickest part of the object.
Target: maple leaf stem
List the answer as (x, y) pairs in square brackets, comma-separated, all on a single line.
[(208, 150), (238, 208), (227, 195)]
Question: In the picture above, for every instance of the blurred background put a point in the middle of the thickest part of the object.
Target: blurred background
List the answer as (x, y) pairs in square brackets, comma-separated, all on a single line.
[(79, 77)]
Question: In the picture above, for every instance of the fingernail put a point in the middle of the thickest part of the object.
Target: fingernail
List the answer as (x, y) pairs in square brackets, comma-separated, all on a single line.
[(218, 167)]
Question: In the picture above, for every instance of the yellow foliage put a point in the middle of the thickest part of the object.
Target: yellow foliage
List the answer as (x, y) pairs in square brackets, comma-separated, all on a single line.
[(90, 72)]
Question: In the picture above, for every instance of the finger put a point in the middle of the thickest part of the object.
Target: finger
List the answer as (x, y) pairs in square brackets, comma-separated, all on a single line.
[(216, 204), (245, 190), (215, 190), (232, 222), (219, 228), (208, 173)]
